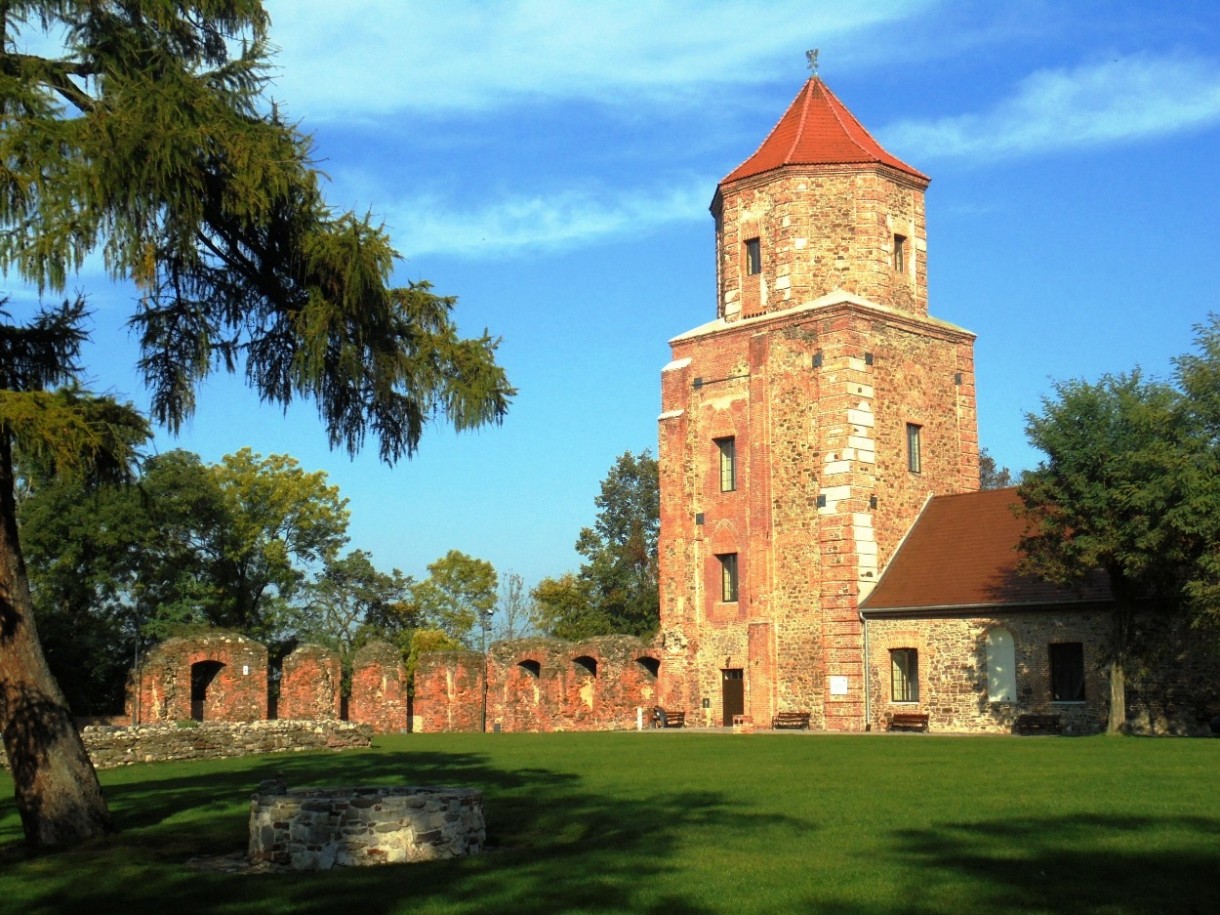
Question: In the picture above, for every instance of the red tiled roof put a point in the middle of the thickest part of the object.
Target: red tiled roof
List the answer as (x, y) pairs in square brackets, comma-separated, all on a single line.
[(817, 129), (962, 552)]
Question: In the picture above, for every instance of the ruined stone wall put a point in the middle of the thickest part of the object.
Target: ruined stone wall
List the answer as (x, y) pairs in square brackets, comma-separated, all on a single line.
[(110, 747), (310, 684), (1175, 691), (448, 692), (320, 828), (229, 673), (379, 689), (539, 685)]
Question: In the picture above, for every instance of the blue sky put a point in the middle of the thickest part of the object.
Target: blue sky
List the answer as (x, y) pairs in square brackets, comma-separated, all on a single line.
[(551, 164)]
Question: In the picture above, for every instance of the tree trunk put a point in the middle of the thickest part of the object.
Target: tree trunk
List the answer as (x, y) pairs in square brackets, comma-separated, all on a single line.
[(1117, 723), (58, 795), (1120, 650)]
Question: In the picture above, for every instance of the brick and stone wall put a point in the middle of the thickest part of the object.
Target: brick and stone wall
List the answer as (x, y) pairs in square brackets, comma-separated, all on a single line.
[(214, 676), (821, 228), (818, 401), (310, 684), (321, 828), (1175, 691), (816, 365), (110, 747), (539, 685), (379, 688), (448, 692)]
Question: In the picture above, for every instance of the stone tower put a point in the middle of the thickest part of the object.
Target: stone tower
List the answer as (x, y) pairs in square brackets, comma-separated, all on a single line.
[(804, 428)]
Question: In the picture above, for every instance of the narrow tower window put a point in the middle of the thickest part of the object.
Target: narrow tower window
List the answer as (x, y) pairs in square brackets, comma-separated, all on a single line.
[(753, 257), (728, 463), (728, 577), (914, 448), (900, 253)]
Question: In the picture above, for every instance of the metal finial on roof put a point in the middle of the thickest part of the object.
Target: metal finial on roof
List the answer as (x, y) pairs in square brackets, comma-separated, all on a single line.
[(812, 58)]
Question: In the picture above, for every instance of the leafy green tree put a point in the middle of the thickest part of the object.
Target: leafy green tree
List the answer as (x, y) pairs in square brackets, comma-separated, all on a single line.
[(80, 540), (1105, 498), (458, 594), (992, 476), (514, 610), (616, 590), (352, 601), (72, 435), (278, 520), (422, 641), (564, 608), (146, 136), (1197, 515)]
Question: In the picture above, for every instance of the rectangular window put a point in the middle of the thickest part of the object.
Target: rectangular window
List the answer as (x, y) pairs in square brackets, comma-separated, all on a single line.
[(753, 257), (1067, 672), (904, 675), (900, 253), (914, 448), (728, 577), (728, 463)]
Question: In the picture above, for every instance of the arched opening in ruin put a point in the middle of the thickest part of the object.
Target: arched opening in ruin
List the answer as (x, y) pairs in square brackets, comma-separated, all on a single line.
[(651, 666), (202, 675), (532, 667), (587, 664)]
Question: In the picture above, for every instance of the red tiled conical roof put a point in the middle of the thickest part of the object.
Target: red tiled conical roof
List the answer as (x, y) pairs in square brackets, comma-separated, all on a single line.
[(817, 129)]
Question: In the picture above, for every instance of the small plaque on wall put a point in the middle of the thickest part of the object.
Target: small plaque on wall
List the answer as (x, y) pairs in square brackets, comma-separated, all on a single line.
[(838, 686)]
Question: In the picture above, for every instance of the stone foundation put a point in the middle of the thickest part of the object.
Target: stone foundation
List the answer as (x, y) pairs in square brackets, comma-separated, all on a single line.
[(110, 747), (321, 828)]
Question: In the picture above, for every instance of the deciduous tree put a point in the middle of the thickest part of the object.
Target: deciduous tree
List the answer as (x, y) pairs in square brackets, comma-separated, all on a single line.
[(458, 594), (991, 475), (616, 588), (1105, 498), (146, 137), (352, 600)]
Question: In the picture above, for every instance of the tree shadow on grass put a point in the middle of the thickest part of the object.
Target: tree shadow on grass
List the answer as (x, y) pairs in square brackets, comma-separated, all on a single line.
[(554, 846), (1069, 864)]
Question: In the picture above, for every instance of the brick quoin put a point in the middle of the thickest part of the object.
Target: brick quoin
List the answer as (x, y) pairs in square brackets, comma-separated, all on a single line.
[(815, 365)]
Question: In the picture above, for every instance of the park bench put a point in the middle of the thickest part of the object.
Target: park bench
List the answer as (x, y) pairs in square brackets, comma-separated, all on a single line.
[(1038, 724), (665, 719), (799, 720), (909, 721)]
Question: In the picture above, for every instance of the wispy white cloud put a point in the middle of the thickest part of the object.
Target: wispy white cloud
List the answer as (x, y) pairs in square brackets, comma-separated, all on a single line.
[(562, 220), (1115, 101), (340, 59)]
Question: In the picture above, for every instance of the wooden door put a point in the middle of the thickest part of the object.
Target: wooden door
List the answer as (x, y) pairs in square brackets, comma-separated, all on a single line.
[(732, 694)]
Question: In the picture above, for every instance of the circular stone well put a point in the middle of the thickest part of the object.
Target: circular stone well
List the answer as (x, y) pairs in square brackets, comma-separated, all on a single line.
[(321, 828)]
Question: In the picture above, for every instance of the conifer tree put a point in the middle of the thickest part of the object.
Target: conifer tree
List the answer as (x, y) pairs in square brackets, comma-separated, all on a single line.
[(147, 138)]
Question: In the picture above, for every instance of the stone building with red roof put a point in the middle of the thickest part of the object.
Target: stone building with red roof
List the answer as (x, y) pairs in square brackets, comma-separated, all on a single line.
[(823, 545)]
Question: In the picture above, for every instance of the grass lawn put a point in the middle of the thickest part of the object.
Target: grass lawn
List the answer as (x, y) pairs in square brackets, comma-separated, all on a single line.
[(684, 823)]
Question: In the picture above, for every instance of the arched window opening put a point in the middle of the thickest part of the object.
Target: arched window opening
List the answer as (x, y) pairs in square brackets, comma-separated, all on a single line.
[(202, 675), (651, 666), (1001, 667), (532, 667), (586, 663)]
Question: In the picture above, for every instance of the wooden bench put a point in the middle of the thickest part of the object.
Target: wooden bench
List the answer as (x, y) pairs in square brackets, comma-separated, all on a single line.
[(798, 720), (1038, 724), (666, 719), (909, 721)]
